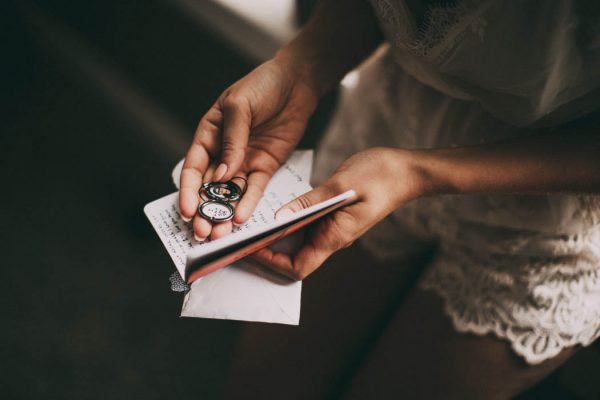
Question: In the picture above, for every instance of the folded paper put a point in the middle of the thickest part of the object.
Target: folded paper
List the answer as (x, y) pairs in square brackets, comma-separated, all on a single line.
[(244, 290)]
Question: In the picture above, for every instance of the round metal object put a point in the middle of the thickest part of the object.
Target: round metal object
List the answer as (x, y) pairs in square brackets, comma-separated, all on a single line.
[(223, 191), (215, 211)]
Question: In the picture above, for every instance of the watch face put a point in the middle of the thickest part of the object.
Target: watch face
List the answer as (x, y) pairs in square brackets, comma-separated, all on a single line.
[(215, 211), (223, 191)]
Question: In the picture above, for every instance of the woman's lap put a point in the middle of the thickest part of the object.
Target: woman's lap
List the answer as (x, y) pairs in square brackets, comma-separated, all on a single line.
[(421, 355), (344, 304), (367, 332)]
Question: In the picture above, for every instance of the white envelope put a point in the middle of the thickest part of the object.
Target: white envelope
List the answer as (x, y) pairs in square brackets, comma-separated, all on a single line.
[(245, 291)]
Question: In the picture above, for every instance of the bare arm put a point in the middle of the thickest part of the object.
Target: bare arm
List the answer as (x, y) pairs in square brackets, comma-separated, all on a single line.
[(338, 36), (565, 160), (255, 123)]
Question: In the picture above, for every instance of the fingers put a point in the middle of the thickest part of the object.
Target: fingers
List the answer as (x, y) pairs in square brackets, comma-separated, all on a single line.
[(202, 228), (308, 199), (221, 229), (296, 267), (322, 240), (224, 129), (307, 259), (325, 238), (224, 228), (277, 262), (191, 179), (196, 162), (257, 181), (236, 129), (328, 235)]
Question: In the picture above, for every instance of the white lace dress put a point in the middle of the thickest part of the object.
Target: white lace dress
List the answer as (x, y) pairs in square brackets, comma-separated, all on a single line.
[(525, 268)]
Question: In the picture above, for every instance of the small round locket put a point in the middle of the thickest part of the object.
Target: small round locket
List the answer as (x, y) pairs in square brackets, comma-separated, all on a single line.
[(215, 211), (223, 191), (217, 197)]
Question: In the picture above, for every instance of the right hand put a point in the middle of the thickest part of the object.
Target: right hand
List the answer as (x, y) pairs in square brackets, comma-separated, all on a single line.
[(250, 131)]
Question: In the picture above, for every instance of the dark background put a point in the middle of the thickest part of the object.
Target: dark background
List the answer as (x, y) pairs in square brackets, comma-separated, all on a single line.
[(99, 101), (89, 313)]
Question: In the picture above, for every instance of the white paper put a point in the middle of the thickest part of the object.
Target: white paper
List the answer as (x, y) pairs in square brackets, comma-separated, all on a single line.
[(242, 291), (246, 292), (198, 255)]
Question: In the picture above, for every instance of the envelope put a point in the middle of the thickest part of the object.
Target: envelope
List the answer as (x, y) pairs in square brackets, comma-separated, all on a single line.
[(244, 290)]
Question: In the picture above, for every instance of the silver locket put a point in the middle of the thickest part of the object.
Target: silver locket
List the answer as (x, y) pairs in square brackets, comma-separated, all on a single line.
[(217, 198)]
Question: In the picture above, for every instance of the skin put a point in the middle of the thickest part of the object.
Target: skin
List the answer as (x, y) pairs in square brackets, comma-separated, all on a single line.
[(252, 128), (526, 165), (367, 335), (258, 121), (255, 124)]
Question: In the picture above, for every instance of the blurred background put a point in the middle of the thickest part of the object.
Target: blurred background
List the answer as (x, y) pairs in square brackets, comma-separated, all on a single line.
[(99, 101)]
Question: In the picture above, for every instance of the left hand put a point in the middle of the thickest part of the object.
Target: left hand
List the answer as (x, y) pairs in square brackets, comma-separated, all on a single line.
[(383, 179)]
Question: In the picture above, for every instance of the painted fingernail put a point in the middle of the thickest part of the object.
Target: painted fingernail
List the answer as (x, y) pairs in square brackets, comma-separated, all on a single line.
[(285, 213), (220, 172)]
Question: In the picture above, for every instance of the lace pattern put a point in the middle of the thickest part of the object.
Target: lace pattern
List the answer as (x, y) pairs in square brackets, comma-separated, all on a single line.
[(524, 268), (540, 313), (539, 291), (443, 26)]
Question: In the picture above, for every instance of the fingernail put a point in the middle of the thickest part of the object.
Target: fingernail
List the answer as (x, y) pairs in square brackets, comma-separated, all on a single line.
[(220, 172), (198, 238), (285, 213), (185, 219)]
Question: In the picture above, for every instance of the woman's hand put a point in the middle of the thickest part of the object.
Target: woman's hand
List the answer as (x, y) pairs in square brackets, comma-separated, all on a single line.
[(564, 160), (383, 179), (249, 131)]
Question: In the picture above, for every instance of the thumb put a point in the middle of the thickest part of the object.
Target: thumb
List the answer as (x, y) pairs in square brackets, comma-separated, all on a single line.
[(308, 199)]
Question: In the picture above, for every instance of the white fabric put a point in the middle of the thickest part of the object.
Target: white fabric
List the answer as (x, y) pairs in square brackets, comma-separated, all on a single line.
[(523, 267)]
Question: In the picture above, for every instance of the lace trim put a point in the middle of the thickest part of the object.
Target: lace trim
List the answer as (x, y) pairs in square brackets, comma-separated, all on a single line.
[(443, 25), (590, 209), (539, 314), (439, 22)]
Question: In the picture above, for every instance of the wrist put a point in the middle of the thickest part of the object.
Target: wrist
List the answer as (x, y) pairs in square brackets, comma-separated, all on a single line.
[(429, 173), (306, 64), (407, 173), (435, 172), (338, 36)]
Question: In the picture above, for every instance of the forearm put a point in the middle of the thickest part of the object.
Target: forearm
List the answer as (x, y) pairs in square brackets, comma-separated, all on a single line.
[(339, 35), (566, 160)]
